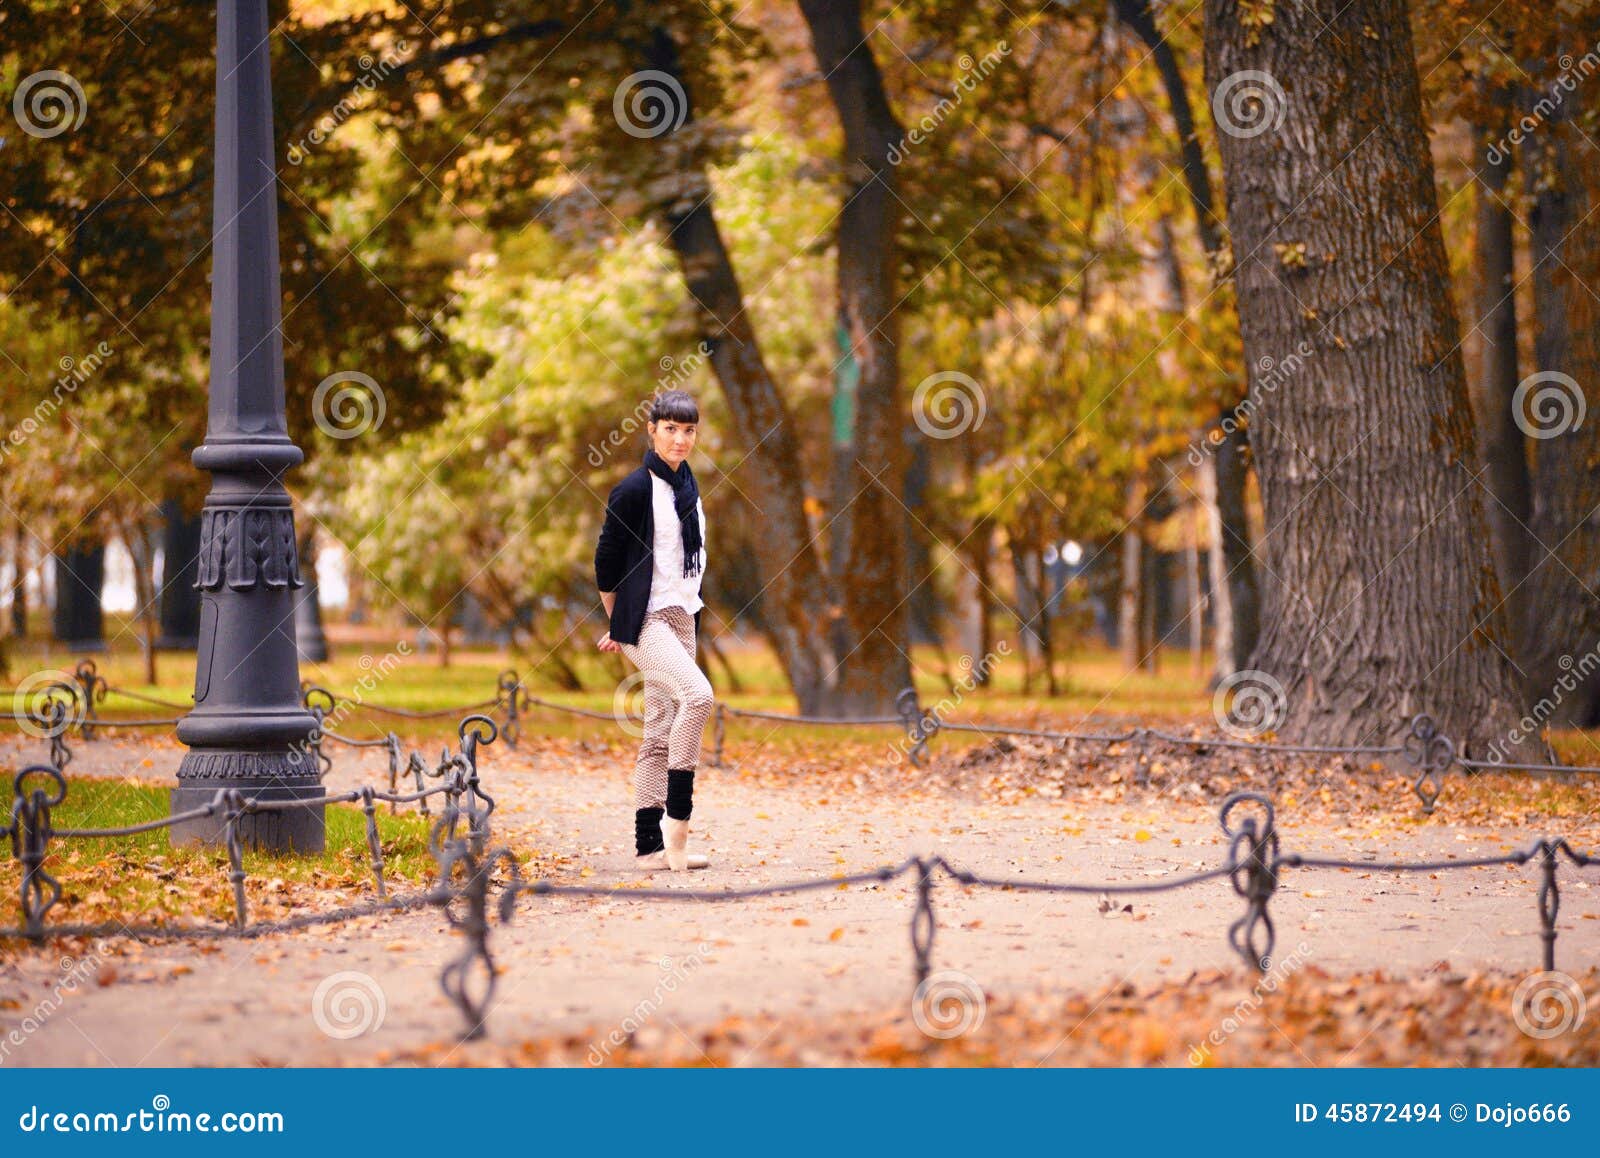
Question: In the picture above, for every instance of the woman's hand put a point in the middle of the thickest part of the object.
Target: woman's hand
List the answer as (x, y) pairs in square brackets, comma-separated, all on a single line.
[(606, 643)]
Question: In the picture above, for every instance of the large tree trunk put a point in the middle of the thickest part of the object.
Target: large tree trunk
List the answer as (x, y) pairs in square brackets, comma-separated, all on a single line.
[(1382, 600), (797, 610), (1504, 446), (1561, 625), (872, 575), (1236, 606)]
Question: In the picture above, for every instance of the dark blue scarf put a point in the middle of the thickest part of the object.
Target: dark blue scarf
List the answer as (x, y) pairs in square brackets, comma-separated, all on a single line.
[(685, 498)]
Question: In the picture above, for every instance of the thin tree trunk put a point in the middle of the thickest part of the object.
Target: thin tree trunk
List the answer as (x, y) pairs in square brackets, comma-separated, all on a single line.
[(19, 589), (1237, 611), (978, 547), (1137, 15), (141, 550), (1504, 446), (1027, 615), (796, 591), (714, 650), (872, 575), (1193, 526), (1232, 545), (1382, 601), (1154, 583), (1130, 621), (1222, 618)]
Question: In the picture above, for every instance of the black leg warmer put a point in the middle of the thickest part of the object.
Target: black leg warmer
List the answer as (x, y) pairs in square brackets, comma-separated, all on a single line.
[(680, 792), (647, 830)]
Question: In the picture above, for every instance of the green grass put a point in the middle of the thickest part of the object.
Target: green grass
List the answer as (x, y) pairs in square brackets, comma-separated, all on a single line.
[(136, 877), (1093, 689)]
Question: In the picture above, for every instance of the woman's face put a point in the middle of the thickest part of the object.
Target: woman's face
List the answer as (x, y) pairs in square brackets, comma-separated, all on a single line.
[(672, 440)]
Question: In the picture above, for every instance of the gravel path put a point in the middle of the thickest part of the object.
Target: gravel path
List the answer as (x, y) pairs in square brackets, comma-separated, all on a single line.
[(588, 967)]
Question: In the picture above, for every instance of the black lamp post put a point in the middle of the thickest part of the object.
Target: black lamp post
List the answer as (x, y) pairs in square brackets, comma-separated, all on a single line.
[(248, 729)]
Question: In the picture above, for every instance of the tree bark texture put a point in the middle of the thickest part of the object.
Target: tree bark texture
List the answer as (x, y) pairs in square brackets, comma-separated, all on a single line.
[(1381, 600)]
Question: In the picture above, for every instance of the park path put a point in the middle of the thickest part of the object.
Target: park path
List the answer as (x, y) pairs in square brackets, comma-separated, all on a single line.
[(588, 967)]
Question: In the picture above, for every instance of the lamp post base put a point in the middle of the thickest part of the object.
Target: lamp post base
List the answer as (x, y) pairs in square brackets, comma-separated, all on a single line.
[(266, 776)]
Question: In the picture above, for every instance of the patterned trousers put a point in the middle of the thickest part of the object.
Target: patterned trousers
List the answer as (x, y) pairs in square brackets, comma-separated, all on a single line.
[(677, 702)]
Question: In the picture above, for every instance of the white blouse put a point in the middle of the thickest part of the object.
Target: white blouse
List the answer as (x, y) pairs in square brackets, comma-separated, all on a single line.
[(669, 586)]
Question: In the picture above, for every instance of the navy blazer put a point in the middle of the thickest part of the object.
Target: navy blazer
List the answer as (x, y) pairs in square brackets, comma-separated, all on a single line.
[(624, 558)]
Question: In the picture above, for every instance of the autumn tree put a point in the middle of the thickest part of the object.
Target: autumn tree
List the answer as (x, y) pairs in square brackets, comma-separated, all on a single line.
[(1380, 597)]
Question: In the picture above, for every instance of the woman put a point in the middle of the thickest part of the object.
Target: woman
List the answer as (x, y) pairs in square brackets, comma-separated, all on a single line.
[(648, 565)]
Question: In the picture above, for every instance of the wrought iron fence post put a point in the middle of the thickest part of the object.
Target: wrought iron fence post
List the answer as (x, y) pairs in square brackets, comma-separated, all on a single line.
[(475, 730), (232, 801), (920, 727), (512, 697), (374, 845), (1431, 751), (313, 745), (417, 768), (1549, 902), (451, 851), (30, 840), (93, 688), (1254, 876), (391, 743), (922, 920), (1141, 765)]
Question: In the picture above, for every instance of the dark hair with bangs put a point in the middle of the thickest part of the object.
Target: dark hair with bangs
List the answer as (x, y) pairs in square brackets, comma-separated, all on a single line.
[(677, 405)]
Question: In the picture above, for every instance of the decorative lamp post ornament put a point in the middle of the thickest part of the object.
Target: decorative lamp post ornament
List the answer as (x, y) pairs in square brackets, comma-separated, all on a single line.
[(248, 729)]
